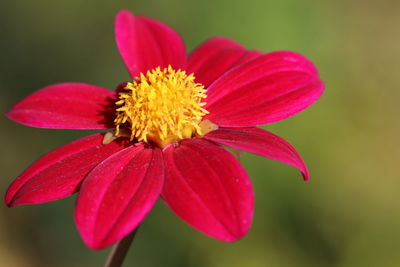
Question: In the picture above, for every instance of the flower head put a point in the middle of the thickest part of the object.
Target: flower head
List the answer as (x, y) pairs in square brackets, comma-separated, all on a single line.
[(168, 128), (163, 106)]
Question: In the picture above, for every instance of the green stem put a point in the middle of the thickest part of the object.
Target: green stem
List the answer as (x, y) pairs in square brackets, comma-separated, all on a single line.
[(118, 253)]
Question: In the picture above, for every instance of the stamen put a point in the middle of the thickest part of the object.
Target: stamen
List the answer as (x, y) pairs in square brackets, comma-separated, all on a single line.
[(111, 135), (161, 106)]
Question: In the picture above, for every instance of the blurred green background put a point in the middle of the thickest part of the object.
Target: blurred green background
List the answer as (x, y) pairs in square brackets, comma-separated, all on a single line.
[(347, 215)]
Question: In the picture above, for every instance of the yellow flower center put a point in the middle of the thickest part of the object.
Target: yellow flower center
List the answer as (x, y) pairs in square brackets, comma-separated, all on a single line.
[(162, 106)]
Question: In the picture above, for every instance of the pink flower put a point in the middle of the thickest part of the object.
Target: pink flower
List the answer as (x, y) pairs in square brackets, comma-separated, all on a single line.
[(169, 130)]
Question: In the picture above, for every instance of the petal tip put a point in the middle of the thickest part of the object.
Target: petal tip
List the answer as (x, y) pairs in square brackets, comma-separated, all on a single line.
[(95, 246), (123, 12), (10, 197), (10, 115), (8, 202), (306, 176), (236, 236)]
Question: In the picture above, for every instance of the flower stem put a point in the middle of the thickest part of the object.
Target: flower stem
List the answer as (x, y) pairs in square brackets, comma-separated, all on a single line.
[(118, 252)]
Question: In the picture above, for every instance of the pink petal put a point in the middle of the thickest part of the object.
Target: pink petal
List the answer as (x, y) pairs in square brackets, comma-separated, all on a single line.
[(209, 189), (214, 57), (261, 142), (59, 173), (266, 89), (117, 195), (66, 106), (145, 44)]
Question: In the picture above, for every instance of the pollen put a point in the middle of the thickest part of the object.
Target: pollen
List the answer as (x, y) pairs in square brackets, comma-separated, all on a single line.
[(161, 107)]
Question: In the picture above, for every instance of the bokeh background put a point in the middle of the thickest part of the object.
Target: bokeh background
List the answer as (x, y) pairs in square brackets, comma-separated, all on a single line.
[(347, 215)]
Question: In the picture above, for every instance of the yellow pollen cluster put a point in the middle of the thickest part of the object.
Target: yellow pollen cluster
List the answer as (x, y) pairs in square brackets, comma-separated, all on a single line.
[(161, 106)]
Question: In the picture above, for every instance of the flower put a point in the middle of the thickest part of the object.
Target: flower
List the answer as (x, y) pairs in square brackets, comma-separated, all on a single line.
[(169, 129)]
